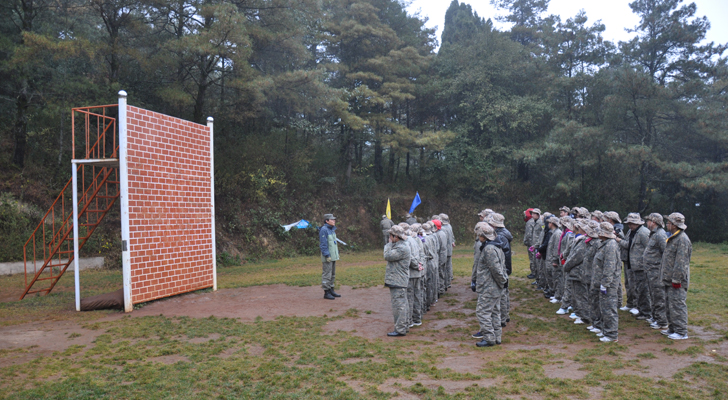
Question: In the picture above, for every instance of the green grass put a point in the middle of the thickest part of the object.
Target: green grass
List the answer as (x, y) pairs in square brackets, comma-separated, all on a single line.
[(294, 358)]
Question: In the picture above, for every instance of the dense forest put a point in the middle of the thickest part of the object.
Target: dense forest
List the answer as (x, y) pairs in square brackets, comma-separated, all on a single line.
[(337, 105)]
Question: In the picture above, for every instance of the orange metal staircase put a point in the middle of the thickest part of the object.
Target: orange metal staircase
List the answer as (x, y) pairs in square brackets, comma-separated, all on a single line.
[(98, 187)]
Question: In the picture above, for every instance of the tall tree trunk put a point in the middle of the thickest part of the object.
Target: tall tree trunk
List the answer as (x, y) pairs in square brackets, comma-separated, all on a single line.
[(22, 104), (349, 155), (406, 168), (643, 201), (391, 164), (378, 167)]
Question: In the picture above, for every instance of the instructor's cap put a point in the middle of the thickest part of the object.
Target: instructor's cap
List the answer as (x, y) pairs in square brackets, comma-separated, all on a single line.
[(329, 216)]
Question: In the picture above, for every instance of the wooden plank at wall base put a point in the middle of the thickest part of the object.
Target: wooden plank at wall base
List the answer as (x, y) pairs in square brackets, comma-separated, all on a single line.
[(10, 268)]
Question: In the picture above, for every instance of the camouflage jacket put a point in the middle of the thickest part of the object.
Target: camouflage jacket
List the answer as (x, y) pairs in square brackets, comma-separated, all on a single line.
[(476, 256), (552, 254), (432, 246), (528, 233), (676, 259), (398, 258), (537, 233), (636, 248), (652, 258), (567, 242), (386, 224), (607, 264), (415, 258), (590, 276), (575, 259), (491, 273), (442, 251), (450, 238)]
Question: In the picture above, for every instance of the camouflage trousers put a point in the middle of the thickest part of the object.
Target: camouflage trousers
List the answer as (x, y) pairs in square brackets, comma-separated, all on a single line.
[(505, 306), (400, 309), (442, 277), (629, 286), (677, 310), (488, 313), (328, 276), (385, 237), (432, 284), (642, 292), (659, 296), (610, 318), (540, 273), (449, 271), (579, 300), (596, 311), (559, 281), (531, 263), (548, 270), (567, 296), (414, 299)]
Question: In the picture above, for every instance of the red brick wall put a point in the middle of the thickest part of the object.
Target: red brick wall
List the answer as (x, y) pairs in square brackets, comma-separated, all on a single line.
[(169, 205)]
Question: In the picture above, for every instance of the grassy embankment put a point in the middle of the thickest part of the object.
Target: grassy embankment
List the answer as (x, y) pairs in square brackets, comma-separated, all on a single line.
[(296, 358)]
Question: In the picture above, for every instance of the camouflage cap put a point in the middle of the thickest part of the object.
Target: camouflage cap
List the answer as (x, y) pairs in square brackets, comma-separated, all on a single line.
[(416, 227), (407, 215), (606, 230), (656, 218), (582, 224), (565, 209), (597, 214), (404, 225), (547, 215), (329, 216), (613, 216), (634, 218), (384, 216), (485, 212), (677, 219), (536, 211), (398, 231), (496, 220), (567, 222), (485, 230), (444, 218), (594, 229), (427, 227), (554, 220), (435, 217)]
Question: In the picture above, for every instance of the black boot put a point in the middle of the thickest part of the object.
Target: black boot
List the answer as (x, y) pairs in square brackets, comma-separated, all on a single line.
[(334, 293), (328, 295), (484, 343)]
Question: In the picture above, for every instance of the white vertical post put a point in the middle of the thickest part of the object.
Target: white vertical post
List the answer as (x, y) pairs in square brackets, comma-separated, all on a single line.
[(124, 200), (210, 121), (75, 235)]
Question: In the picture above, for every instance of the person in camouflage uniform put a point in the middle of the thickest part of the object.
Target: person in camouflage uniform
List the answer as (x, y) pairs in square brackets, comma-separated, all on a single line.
[(396, 277), (504, 236), (652, 261), (564, 250), (476, 256), (551, 262), (638, 238), (432, 247), (491, 280), (613, 218), (385, 225), (414, 315), (539, 230), (445, 219), (574, 274), (607, 265), (564, 211), (528, 240), (410, 219), (442, 256), (676, 276), (591, 228)]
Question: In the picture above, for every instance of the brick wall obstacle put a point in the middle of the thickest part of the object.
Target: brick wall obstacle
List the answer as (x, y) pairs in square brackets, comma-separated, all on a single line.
[(170, 205)]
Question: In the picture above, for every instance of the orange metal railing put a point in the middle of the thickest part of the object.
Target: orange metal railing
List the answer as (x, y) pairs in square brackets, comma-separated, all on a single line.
[(99, 185)]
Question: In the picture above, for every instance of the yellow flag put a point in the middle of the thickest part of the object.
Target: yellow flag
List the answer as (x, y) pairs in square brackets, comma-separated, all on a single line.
[(389, 210)]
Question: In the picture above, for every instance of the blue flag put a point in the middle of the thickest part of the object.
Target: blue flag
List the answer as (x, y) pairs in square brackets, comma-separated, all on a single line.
[(416, 202)]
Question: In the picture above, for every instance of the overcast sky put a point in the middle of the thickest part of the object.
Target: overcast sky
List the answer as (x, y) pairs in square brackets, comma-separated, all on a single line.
[(615, 15)]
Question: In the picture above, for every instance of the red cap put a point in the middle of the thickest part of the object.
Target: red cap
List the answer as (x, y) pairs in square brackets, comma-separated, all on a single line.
[(527, 215), (437, 223)]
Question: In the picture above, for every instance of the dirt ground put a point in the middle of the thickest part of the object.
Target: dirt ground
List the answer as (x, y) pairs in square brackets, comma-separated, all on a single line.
[(369, 316)]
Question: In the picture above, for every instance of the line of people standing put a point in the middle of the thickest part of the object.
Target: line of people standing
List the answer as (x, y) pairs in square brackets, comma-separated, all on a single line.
[(419, 267), (578, 259)]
